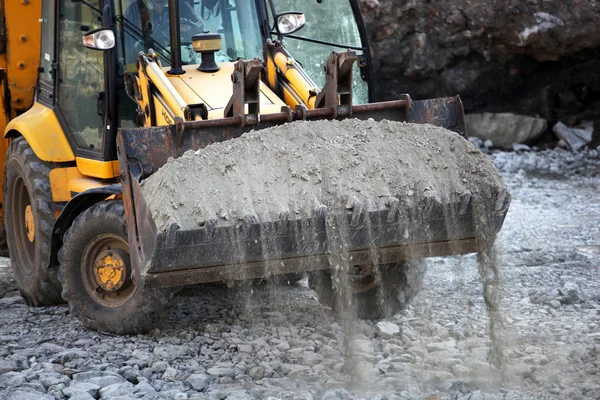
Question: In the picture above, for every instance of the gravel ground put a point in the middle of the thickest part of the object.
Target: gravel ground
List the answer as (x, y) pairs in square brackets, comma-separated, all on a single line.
[(278, 342)]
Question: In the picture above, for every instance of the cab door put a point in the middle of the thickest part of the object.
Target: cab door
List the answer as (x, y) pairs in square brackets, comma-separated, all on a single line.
[(81, 91)]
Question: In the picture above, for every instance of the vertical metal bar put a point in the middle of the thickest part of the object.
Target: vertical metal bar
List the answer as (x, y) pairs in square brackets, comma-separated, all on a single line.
[(175, 34), (367, 69), (2, 28), (110, 87), (228, 26), (264, 21)]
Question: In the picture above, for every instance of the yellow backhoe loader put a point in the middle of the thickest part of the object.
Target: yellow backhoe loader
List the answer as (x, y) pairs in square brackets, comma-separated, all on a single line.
[(98, 95)]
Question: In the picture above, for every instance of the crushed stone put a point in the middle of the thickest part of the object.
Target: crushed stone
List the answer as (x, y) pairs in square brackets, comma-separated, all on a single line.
[(297, 167)]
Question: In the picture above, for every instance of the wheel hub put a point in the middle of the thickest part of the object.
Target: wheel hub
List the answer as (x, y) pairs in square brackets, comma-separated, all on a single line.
[(29, 223), (110, 269), (362, 278)]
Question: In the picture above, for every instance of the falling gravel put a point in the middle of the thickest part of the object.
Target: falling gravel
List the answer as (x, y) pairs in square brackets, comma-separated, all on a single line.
[(298, 167)]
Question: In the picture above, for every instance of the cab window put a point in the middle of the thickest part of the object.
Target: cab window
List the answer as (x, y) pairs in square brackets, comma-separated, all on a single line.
[(81, 75), (144, 25), (339, 32)]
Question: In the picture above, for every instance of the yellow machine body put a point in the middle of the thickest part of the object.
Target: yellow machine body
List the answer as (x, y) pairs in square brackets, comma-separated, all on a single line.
[(38, 124), (214, 90), (19, 60)]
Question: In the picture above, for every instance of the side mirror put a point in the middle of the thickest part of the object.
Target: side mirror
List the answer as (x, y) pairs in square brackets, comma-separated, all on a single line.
[(290, 22), (100, 39)]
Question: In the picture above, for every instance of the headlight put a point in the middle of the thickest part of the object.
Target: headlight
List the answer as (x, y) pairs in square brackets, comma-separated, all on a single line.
[(290, 22), (100, 39)]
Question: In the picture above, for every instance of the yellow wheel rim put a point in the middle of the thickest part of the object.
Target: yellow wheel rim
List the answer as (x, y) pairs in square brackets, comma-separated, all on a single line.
[(29, 223), (110, 270), (106, 272)]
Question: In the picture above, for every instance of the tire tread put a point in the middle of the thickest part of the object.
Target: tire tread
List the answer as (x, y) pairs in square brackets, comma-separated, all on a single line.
[(44, 289)]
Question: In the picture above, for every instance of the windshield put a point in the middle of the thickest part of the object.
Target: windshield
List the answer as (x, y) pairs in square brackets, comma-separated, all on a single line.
[(145, 24), (330, 25)]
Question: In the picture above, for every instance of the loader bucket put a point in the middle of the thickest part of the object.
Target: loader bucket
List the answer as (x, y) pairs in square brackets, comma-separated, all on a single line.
[(254, 249)]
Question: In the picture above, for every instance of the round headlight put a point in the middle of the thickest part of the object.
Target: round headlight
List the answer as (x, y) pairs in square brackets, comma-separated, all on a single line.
[(289, 23)]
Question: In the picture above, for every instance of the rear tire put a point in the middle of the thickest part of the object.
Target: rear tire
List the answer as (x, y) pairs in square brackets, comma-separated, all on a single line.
[(96, 274), (29, 222), (390, 291)]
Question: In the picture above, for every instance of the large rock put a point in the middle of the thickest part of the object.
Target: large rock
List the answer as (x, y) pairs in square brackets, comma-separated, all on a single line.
[(572, 294), (537, 57), (197, 382), (24, 394), (576, 138), (387, 329), (505, 129)]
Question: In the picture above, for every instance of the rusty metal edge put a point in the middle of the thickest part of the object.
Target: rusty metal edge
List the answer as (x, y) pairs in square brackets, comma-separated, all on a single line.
[(262, 269), (130, 212)]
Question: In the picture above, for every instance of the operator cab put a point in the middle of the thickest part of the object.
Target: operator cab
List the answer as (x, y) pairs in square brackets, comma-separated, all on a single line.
[(243, 32)]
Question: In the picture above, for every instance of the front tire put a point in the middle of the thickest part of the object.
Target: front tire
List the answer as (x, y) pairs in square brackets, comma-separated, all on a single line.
[(29, 222), (96, 274), (375, 296)]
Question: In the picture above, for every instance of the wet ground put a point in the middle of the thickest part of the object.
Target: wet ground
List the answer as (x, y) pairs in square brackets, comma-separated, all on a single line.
[(279, 342)]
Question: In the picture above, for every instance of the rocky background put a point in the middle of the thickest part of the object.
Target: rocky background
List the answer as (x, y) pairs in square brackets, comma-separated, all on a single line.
[(539, 58)]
